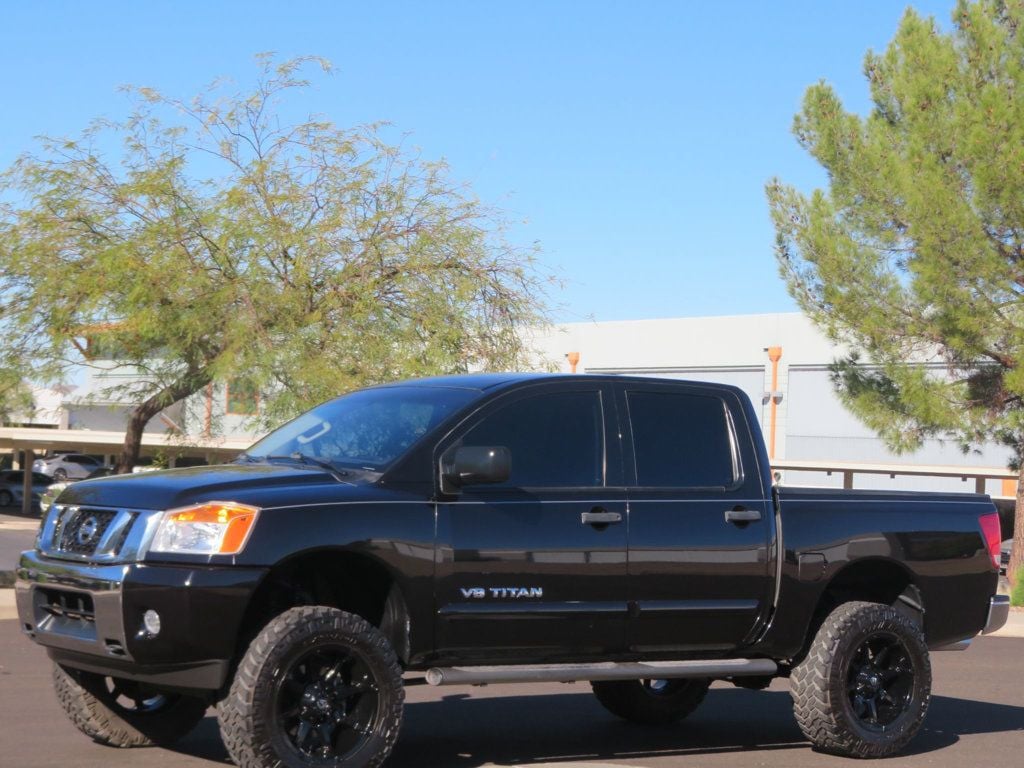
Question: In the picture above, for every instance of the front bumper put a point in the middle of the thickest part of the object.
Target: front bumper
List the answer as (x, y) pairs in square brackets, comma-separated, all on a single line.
[(89, 617)]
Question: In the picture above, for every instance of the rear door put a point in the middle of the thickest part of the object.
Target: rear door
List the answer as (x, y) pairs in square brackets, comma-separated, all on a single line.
[(535, 568), (700, 529)]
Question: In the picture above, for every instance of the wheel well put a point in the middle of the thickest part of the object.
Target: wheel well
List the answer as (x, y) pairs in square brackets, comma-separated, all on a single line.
[(875, 581), (347, 580)]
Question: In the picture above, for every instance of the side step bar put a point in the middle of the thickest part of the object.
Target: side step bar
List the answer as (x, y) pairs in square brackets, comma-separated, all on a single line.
[(568, 673)]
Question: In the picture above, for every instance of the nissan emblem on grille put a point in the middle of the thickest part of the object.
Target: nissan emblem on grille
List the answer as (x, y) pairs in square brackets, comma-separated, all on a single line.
[(87, 531)]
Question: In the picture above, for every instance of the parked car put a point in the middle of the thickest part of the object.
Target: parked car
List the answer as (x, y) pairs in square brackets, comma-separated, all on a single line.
[(56, 488), (499, 528), (12, 484), (1004, 556), (64, 466)]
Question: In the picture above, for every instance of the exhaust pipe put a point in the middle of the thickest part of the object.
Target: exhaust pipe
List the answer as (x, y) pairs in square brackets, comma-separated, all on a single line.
[(568, 673)]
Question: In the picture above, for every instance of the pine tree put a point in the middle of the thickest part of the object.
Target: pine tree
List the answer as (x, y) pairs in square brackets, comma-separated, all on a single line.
[(914, 255)]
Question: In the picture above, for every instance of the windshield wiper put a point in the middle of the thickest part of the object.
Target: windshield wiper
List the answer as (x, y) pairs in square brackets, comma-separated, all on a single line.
[(302, 458)]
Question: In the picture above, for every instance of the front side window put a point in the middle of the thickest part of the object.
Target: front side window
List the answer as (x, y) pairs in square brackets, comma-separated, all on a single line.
[(367, 429), (556, 440), (681, 440)]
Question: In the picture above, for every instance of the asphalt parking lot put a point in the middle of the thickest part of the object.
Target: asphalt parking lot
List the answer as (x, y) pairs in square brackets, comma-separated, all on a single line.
[(976, 718)]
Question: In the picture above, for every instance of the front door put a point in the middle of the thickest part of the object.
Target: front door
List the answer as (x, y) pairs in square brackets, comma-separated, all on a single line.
[(700, 531), (535, 568)]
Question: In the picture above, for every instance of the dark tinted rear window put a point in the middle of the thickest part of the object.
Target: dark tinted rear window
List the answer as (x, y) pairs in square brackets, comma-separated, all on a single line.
[(680, 440), (556, 440)]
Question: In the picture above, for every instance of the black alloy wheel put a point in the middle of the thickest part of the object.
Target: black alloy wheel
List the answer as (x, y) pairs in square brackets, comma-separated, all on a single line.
[(880, 681), (863, 688), (327, 703)]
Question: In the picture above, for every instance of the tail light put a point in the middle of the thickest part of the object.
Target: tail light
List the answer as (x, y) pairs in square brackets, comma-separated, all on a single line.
[(991, 532)]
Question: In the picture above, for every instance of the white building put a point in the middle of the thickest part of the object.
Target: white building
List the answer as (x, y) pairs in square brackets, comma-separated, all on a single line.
[(811, 423)]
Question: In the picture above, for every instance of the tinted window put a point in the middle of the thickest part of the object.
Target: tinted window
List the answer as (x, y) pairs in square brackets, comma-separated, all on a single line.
[(556, 440), (680, 440)]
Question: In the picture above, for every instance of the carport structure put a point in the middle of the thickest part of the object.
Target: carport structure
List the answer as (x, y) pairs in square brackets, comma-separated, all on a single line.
[(30, 441)]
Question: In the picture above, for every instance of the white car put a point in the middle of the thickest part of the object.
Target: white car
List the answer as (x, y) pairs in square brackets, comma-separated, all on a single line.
[(67, 466)]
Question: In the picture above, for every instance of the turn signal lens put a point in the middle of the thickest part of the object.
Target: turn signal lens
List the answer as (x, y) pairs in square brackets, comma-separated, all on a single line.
[(213, 528)]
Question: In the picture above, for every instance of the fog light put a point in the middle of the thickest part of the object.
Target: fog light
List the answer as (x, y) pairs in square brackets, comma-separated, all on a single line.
[(151, 622)]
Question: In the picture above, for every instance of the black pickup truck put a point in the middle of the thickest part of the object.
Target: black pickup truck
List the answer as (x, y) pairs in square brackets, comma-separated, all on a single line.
[(498, 528)]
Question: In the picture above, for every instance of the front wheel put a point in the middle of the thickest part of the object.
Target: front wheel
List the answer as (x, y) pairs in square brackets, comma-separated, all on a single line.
[(123, 713), (651, 702), (864, 687), (6, 498), (317, 686)]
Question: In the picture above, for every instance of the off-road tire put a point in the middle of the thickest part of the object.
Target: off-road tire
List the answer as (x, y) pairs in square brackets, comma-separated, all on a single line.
[(95, 711), (246, 715), (637, 702), (819, 683)]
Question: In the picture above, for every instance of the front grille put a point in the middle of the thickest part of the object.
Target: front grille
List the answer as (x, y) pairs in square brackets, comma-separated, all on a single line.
[(82, 530), (94, 534)]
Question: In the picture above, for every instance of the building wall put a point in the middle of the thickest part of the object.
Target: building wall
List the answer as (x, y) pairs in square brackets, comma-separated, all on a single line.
[(811, 422)]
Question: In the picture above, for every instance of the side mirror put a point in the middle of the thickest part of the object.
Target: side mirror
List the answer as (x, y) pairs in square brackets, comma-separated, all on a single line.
[(477, 465)]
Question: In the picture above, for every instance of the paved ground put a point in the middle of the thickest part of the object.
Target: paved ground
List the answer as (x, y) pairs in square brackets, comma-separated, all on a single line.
[(16, 534), (976, 718)]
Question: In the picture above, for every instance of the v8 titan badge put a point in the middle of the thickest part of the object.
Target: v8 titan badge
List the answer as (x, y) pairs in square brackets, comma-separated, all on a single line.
[(479, 593)]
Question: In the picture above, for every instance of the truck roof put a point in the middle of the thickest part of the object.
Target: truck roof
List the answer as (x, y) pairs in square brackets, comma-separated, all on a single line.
[(489, 381)]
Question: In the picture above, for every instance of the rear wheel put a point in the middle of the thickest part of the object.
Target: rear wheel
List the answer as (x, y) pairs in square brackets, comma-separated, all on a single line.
[(124, 713), (6, 498), (651, 702), (864, 687)]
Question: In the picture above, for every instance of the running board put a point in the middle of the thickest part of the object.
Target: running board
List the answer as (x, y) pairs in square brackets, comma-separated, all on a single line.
[(568, 673)]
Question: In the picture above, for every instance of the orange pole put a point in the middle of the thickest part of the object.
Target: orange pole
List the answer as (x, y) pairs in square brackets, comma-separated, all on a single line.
[(574, 359), (774, 354)]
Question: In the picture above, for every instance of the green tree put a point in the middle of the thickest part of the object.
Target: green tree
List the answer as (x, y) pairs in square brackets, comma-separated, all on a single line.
[(215, 239), (15, 396), (915, 253)]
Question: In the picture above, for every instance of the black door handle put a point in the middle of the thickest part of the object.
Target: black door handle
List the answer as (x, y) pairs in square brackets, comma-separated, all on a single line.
[(599, 516), (741, 516)]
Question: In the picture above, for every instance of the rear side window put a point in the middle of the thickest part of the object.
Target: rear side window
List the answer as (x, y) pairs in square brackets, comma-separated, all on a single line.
[(556, 440), (681, 440)]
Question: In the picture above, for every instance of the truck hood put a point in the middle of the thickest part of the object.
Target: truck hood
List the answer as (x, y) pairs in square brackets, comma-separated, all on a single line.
[(172, 488)]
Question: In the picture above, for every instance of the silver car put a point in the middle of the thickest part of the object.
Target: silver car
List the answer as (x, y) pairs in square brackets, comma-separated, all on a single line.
[(11, 484), (67, 466)]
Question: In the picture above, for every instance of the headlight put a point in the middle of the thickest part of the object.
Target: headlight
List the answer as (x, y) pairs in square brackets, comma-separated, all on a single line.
[(212, 528)]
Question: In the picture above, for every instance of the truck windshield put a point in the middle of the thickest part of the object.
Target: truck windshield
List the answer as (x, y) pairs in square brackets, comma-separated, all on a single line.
[(367, 429)]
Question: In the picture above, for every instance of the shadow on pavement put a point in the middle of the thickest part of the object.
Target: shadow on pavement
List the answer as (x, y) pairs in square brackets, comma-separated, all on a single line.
[(462, 732)]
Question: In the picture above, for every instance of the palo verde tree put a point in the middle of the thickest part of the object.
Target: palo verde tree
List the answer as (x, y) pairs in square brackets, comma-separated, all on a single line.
[(215, 239), (914, 256)]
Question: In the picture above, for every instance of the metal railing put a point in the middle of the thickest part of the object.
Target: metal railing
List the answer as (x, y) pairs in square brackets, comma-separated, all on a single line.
[(849, 469)]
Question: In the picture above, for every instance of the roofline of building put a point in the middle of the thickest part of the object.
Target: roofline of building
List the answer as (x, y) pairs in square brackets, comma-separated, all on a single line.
[(86, 440)]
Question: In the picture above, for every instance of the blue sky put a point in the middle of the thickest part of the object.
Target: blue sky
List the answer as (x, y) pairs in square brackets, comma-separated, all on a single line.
[(632, 140)]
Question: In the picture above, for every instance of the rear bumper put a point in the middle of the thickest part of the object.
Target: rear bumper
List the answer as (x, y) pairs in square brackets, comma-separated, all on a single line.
[(89, 617), (998, 613)]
